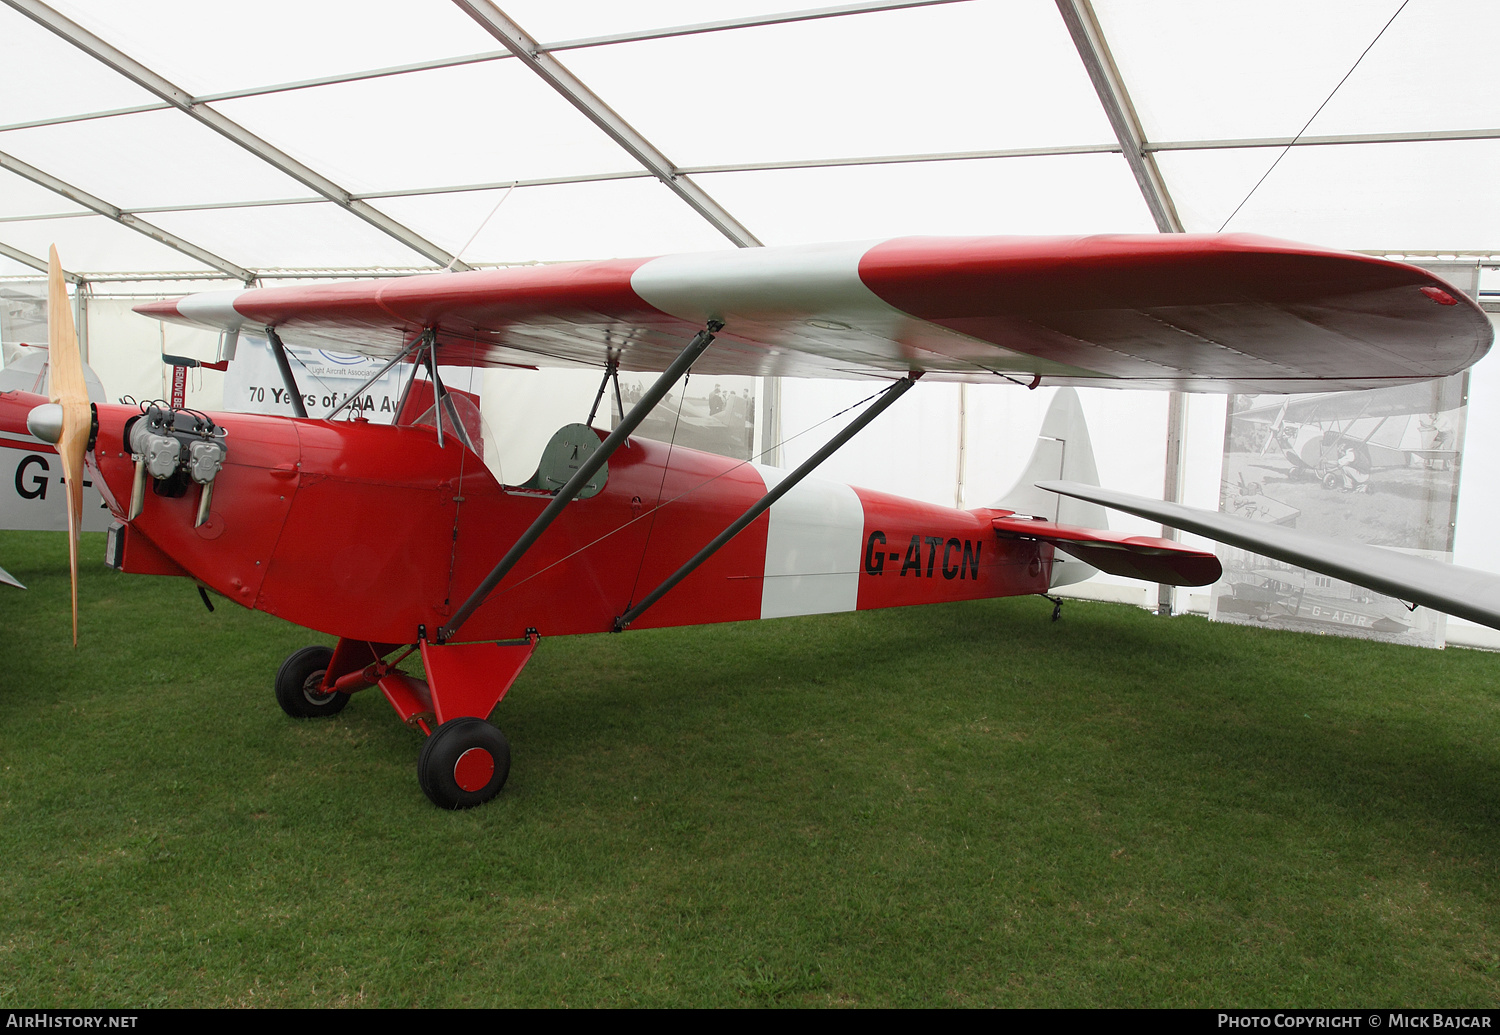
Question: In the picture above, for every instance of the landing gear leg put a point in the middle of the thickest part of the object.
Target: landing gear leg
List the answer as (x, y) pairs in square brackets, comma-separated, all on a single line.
[(465, 760)]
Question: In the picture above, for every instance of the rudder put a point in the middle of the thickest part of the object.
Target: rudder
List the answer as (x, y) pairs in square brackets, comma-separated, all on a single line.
[(1063, 452)]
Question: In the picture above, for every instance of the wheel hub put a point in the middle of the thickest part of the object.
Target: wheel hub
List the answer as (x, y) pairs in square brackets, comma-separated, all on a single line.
[(473, 770), (312, 689)]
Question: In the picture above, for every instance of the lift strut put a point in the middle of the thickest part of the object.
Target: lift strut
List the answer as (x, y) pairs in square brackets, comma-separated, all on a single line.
[(437, 390), (611, 371), (585, 472), (874, 410), (279, 351), (427, 337)]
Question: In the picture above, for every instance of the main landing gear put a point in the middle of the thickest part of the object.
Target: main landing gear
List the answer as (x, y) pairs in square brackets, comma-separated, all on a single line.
[(299, 685), (465, 760), (464, 763)]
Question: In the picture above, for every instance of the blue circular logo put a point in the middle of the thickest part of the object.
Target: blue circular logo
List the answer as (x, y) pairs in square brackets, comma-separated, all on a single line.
[(342, 359)]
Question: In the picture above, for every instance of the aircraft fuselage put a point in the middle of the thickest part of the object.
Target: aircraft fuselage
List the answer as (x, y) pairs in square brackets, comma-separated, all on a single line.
[(369, 532)]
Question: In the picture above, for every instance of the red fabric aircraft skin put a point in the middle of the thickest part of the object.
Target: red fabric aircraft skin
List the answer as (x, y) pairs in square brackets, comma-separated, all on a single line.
[(281, 537), (278, 536)]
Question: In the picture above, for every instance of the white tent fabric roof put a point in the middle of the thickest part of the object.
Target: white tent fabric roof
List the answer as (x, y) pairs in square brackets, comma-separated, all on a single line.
[(804, 129)]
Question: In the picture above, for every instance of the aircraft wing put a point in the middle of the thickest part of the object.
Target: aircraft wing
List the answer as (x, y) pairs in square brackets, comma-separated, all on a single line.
[(1195, 312), (10, 580), (1454, 590)]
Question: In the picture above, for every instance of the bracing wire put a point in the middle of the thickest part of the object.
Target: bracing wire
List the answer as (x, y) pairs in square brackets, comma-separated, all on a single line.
[(660, 488), (308, 370), (684, 495), (477, 230), (1314, 115)]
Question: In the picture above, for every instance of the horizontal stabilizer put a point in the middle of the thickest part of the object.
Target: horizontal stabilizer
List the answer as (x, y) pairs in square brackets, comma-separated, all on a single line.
[(1132, 556), (1463, 592)]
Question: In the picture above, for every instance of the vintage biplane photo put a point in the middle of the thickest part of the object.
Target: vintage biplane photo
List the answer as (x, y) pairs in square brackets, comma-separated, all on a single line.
[(1378, 466), (1283, 593), (1341, 439), (29, 470), (401, 541)]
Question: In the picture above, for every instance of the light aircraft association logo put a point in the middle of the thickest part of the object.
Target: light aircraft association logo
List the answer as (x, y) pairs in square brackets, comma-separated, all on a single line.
[(343, 359)]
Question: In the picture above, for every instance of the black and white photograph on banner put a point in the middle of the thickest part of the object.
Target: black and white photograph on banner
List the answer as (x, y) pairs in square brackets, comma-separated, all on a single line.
[(23, 313), (31, 480), (713, 413), (1378, 467)]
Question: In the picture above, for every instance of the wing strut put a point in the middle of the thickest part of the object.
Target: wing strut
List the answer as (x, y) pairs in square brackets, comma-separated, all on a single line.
[(279, 351), (586, 471), (438, 391), (874, 410), (426, 337), (611, 371)]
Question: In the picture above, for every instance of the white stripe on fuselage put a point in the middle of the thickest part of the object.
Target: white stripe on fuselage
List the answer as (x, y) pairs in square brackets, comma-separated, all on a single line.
[(812, 548)]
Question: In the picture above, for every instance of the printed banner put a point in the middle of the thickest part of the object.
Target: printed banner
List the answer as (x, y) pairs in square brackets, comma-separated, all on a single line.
[(715, 414), (32, 492), (1378, 467), (253, 383)]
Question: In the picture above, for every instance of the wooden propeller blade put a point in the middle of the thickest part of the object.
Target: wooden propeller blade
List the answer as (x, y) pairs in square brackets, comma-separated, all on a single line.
[(68, 390)]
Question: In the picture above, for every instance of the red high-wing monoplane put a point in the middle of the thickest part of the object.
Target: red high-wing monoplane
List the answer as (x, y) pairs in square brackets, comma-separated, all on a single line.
[(399, 539)]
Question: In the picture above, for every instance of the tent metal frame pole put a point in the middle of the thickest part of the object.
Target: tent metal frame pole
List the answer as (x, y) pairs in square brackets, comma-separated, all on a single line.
[(194, 107), (556, 75)]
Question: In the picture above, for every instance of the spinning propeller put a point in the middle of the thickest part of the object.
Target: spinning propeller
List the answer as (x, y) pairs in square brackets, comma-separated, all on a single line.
[(68, 420)]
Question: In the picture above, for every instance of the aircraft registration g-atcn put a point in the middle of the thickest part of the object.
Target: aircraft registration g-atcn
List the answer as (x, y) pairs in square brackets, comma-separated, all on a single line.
[(399, 539)]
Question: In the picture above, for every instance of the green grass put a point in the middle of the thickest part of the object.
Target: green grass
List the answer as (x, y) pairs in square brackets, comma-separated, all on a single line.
[(957, 805)]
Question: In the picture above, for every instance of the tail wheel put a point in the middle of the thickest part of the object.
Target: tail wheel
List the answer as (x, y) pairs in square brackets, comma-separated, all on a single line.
[(464, 763), (299, 685)]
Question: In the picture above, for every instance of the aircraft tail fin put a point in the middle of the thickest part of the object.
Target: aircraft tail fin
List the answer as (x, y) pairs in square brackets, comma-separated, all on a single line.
[(1063, 446)]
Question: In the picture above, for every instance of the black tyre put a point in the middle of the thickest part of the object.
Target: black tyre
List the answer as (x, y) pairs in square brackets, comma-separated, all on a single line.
[(299, 682), (464, 763)]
